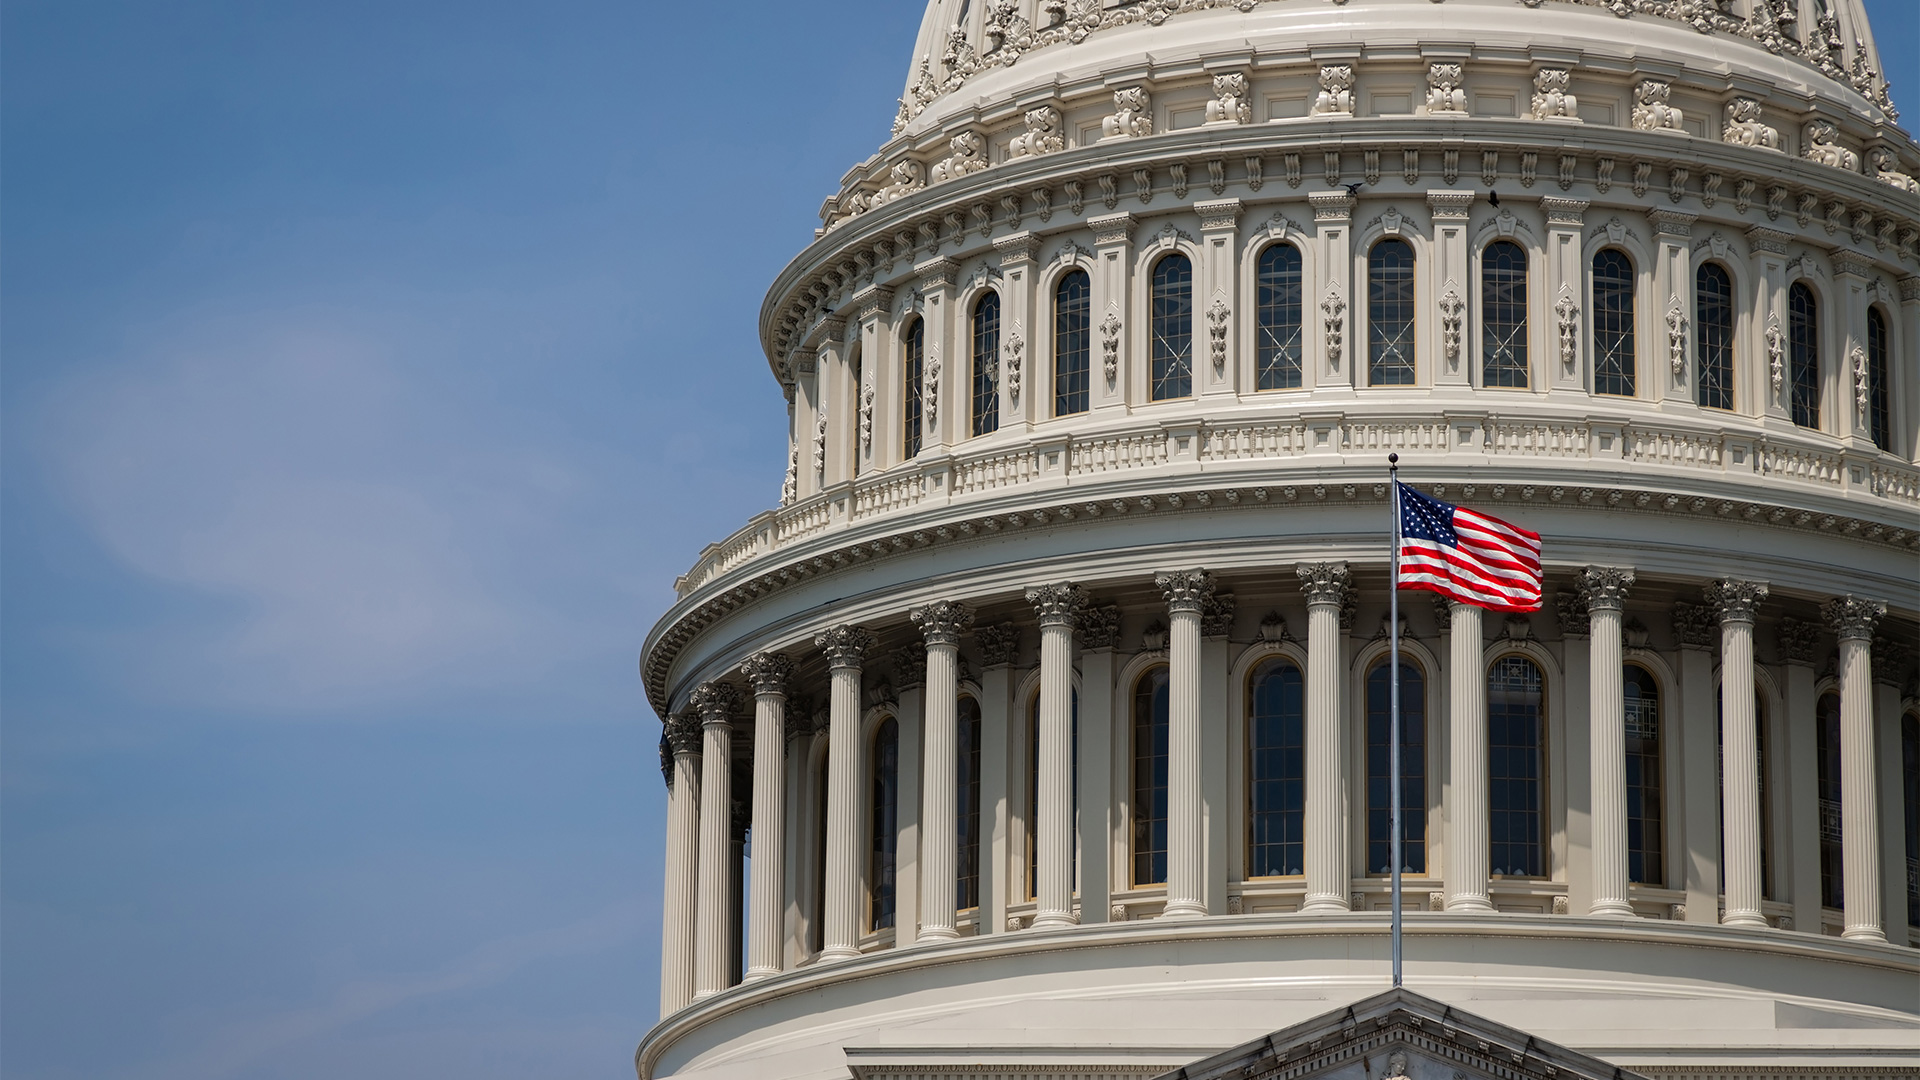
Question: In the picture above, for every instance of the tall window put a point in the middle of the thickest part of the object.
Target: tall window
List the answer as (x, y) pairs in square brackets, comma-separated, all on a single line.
[(1646, 819), (1277, 301), (1803, 348), (1516, 741), (885, 785), (1826, 748), (1172, 328), (1613, 323), (1276, 769), (986, 364), (855, 369), (914, 370), (1879, 411), (1149, 806), (1072, 343), (1713, 334), (1503, 315), (1413, 771), (1390, 314), (967, 893), (1033, 793), (1910, 788)]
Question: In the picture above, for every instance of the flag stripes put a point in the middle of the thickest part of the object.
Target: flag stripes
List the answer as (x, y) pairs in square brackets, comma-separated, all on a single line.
[(1466, 555)]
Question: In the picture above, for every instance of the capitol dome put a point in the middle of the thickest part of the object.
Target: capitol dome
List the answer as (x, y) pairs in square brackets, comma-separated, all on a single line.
[(1041, 731)]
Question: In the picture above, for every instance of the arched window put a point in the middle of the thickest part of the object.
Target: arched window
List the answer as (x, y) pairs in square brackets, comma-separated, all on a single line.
[(1072, 343), (1646, 820), (1713, 334), (1276, 769), (1826, 748), (967, 892), (1033, 792), (1910, 791), (1277, 302), (1413, 770), (884, 783), (1503, 315), (1803, 348), (1390, 315), (1149, 806), (856, 376), (1760, 769), (986, 364), (1516, 760), (913, 371), (1879, 405), (1172, 328), (1613, 323)]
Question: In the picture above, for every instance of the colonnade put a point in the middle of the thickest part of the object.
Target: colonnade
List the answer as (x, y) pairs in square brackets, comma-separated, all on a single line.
[(700, 920)]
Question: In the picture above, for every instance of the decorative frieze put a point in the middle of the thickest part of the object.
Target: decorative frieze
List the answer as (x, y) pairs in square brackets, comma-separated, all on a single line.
[(966, 154), (1883, 165), (1451, 205)]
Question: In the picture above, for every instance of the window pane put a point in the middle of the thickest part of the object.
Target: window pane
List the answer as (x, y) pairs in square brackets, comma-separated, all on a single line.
[(967, 894), (1277, 301), (1276, 772), (1390, 314), (986, 364), (910, 378), (1503, 315), (1149, 808), (1072, 343), (1613, 323), (1645, 817), (1803, 345), (885, 783), (1713, 335), (1413, 771), (1827, 762), (1879, 404), (1910, 790), (1515, 740), (1172, 328)]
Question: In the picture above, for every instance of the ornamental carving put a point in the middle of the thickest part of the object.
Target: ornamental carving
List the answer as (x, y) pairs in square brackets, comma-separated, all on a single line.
[(1570, 608), (1604, 588), (1851, 618), (1042, 135), (683, 734), (1823, 147), (1443, 89), (1695, 625), (1735, 601), (1677, 338), (1110, 347), (1776, 360), (1884, 166), (905, 178), (1744, 127), (1650, 109), (942, 622), (1218, 315), (1551, 101), (1007, 32), (967, 153), (714, 701), (1057, 605), (1336, 91), (1015, 348), (1185, 590), (866, 419), (1451, 308), (1796, 639), (999, 643), (1324, 583), (930, 391), (1132, 114), (820, 443), (1229, 104), (1100, 627), (1568, 315), (1333, 311), (909, 667), (790, 487), (845, 646), (767, 673), (1861, 383), (1216, 615)]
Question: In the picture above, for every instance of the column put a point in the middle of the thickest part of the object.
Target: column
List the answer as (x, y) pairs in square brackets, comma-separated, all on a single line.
[(1328, 875), (713, 933), (1450, 210), (798, 865), (1853, 620), (1468, 842), (1564, 302), (1331, 353), (767, 673), (1113, 256), (1217, 800), (1187, 592), (683, 860), (941, 624), (1058, 608), (846, 648), (1736, 602), (1605, 589), (1893, 837), (1099, 632)]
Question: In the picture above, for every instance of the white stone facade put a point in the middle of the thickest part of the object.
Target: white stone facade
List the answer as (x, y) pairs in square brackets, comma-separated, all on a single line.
[(1094, 369)]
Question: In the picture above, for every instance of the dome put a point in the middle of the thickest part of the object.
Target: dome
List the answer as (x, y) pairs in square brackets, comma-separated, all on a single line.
[(1043, 729)]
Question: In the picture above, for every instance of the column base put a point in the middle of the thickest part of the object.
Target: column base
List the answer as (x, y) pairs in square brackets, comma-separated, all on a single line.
[(1612, 907), (1183, 909), (1325, 905), (931, 934), (702, 995), (756, 974), (1744, 918), (838, 952), (1053, 920), (1865, 933), (1472, 905)]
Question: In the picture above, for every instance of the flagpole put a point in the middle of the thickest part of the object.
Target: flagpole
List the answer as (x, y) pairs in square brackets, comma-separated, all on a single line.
[(1393, 698)]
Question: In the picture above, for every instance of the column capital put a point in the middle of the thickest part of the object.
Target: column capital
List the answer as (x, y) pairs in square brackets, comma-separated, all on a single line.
[(1853, 618), (1909, 289), (1797, 639), (909, 667), (714, 702), (1571, 609), (1216, 614), (1185, 590), (1672, 222), (999, 644), (1695, 625), (845, 646), (1100, 627), (937, 273), (1605, 587), (1057, 605), (1448, 205), (1217, 214), (1324, 582), (943, 621), (1331, 206), (1112, 229), (1562, 211), (1736, 601), (767, 673), (683, 734)]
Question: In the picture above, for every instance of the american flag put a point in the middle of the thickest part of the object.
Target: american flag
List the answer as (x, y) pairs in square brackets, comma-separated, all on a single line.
[(1466, 556)]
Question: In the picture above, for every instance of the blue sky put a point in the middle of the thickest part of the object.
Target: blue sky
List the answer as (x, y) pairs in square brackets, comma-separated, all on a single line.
[(370, 371)]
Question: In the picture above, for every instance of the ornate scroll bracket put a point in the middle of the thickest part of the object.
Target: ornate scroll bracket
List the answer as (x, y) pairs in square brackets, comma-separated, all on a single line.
[(1568, 315), (1218, 315), (1110, 347), (1334, 311), (1677, 339), (1451, 308)]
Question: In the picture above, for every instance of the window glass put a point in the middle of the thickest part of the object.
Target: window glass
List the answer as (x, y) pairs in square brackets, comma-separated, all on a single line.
[(1276, 770), (967, 892), (1879, 404), (1149, 806), (1803, 347), (1413, 771), (1390, 314), (986, 364), (885, 785), (1613, 367), (1277, 302), (1827, 764), (914, 371), (1713, 334), (1910, 790), (1645, 810), (1072, 343), (1516, 739), (1172, 328), (1503, 315)]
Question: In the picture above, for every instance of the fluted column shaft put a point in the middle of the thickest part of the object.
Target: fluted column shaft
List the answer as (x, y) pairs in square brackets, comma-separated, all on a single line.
[(1854, 619), (1736, 602), (766, 914), (1605, 589), (1058, 608), (1325, 585), (846, 648), (1468, 843), (1186, 592), (683, 861), (714, 926), (941, 624)]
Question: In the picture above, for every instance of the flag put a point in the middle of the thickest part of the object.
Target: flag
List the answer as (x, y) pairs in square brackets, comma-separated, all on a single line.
[(1466, 556)]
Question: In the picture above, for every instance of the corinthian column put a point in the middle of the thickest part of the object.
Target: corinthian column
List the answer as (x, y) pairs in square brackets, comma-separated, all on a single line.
[(941, 624), (846, 647), (1853, 620), (1468, 845), (767, 673), (1328, 875), (1187, 592), (1740, 809), (1605, 589), (713, 935), (683, 861), (1058, 607)]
